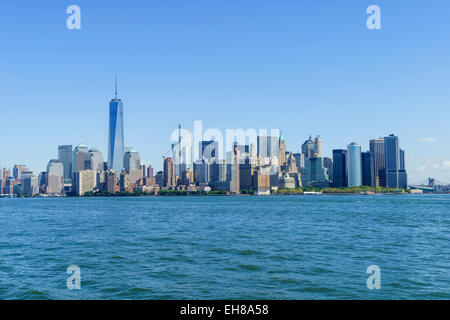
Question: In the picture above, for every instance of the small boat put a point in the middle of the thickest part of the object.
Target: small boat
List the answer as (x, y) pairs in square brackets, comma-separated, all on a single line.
[(315, 193)]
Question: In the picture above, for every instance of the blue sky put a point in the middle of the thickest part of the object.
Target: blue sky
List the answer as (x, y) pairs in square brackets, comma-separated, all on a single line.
[(301, 66)]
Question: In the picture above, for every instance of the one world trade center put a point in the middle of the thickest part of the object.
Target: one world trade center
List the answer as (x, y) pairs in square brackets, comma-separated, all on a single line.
[(115, 135)]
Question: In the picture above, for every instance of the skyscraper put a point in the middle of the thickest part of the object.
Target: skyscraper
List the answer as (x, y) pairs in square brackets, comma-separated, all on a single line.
[(378, 163), (267, 146), (65, 156), (339, 168), (315, 173), (318, 146), (395, 163), (95, 160), (79, 156), (366, 168), (115, 135), (182, 153), (169, 173), (281, 151), (308, 148), (84, 181), (17, 171), (235, 184), (219, 171), (30, 185), (132, 165), (354, 173), (55, 177)]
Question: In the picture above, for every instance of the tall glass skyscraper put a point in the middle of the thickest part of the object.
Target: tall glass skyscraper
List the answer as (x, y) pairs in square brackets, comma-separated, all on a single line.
[(396, 176), (378, 163), (65, 156), (115, 136), (354, 169), (339, 168)]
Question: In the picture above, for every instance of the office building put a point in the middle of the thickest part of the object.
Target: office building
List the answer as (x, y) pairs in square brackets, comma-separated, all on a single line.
[(366, 168), (159, 178), (79, 156), (132, 165), (268, 147), (354, 174), (30, 185), (281, 151), (376, 148), (315, 173), (95, 160), (55, 177), (116, 134), (339, 168), (308, 148), (17, 171), (84, 181), (169, 173), (396, 176), (66, 158), (328, 164)]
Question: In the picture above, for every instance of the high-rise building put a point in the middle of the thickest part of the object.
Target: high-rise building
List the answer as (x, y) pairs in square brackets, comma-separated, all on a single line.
[(235, 175), (376, 147), (182, 153), (261, 180), (202, 173), (300, 162), (187, 177), (80, 155), (339, 168), (55, 177), (30, 185), (315, 173), (246, 176), (366, 168), (268, 146), (219, 171), (143, 170), (111, 185), (318, 146), (159, 178), (169, 173), (150, 171), (65, 156), (116, 134), (85, 181), (308, 148), (95, 160), (354, 174), (8, 185), (17, 171), (132, 165), (328, 164), (281, 151), (396, 176), (291, 171)]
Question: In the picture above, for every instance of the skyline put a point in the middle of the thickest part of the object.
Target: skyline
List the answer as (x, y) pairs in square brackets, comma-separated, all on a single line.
[(228, 76)]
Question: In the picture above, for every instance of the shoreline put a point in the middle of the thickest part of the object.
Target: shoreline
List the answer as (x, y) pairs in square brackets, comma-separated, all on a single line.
[(216, 195)]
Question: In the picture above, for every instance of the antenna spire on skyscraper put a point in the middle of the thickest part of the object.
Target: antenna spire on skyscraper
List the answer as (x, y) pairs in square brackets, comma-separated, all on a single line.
[(116, 87)]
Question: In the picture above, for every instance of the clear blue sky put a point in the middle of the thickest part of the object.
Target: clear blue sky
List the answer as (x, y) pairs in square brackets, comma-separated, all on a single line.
[(301, 66)]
